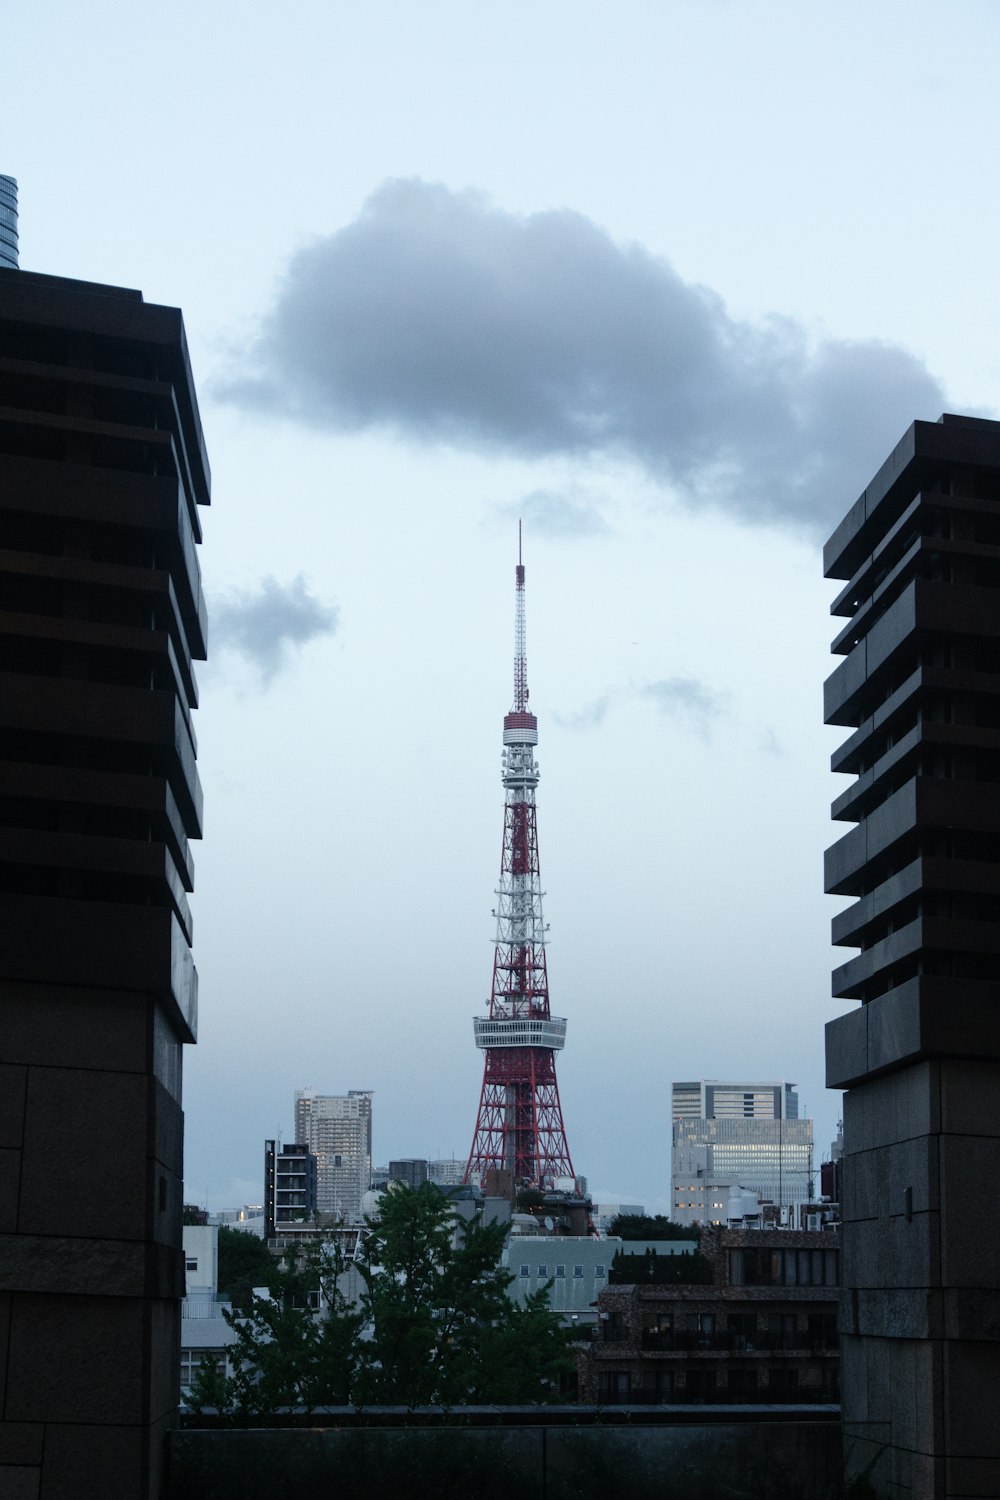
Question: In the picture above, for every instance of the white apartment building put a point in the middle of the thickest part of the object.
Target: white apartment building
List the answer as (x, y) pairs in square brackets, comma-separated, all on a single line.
[(205, 1334), (337, 1128)]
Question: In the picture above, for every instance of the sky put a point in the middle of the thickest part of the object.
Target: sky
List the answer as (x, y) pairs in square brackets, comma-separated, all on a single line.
[(667, 280)]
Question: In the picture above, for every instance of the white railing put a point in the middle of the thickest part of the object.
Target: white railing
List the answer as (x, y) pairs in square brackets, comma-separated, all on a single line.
[(521, 1031)]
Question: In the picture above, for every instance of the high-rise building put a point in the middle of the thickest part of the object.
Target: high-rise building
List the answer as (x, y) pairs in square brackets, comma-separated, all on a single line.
[(519, 1127), (736, 1135), (919, 691), (446, 1171), (8, 223), (337, 1128), (289, 1186), (709, 1100), (102, 473)]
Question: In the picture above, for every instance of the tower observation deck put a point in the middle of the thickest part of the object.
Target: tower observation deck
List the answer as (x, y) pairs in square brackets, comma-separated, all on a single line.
[(519, 1127)]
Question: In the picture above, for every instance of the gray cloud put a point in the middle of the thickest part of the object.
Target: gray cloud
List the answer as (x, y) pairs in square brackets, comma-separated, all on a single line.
[(561, 514), (686, 698), (265, 624), (443, 318), (587, 717)]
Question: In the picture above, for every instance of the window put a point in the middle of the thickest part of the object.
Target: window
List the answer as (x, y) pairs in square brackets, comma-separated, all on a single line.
[(191, 1263), (525, 1271), (543, 1270), (191, 1360), (614, 1387), (700, 1384), (560, 1271), (578, 1272), (599, 1272)]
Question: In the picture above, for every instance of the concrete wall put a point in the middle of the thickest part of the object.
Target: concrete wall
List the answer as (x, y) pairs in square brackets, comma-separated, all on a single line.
[(779, 1460)]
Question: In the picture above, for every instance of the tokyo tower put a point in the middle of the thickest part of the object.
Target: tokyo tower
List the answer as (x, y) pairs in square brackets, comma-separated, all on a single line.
[(520, 1125)]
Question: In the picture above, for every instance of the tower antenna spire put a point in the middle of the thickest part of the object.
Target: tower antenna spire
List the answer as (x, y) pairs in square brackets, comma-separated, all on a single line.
[(519, 1128)]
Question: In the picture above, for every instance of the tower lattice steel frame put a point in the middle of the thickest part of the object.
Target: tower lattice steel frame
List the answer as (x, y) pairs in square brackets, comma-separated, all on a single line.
[(519, 1127)]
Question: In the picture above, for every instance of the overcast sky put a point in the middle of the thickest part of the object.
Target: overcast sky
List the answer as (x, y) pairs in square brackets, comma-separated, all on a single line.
[(668, 280)]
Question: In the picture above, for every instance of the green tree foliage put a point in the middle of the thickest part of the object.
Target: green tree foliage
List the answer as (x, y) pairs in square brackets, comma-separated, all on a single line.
[(283, 1354), (444, 1330), (438, 1326), (650, 1227), (245, 1262), (660, 1270)]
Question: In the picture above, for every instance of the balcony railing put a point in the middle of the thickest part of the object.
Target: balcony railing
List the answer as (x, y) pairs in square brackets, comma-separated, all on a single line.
[(688, 1340)]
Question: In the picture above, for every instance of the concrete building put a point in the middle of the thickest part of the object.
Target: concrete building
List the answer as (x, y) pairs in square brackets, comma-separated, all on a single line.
[(289, 1186), (605, 1214), (919, 692), (737, 1135), (708, 1099), (337, 1128), (446, 1172), (763, 1329), (576, 1266), (102, 474), (205, 1334), (411, 1170)]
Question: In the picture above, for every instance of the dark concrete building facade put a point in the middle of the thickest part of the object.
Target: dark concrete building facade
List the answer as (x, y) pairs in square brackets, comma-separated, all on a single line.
[(919, 689), (102, 471)]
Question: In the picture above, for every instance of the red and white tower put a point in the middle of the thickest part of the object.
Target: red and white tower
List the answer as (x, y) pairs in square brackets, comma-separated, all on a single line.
[(520, 1124)]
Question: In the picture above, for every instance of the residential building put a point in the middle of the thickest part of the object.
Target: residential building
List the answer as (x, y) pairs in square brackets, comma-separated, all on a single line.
[(918, 691), (728, 1136), (446, 1172), (205, 1334), (102, 475), (763, 1328), (337, 1129), (289, 1186)]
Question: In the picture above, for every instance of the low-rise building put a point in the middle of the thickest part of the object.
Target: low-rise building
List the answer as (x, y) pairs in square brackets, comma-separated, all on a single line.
[(763, 1329), (576, 1266), (205, 1334)]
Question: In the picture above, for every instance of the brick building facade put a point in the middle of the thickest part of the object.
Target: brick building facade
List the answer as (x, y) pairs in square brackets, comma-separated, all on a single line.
[(763, 1330)]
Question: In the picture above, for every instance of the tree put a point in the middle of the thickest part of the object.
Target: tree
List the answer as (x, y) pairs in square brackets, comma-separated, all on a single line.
[(650, 1227), (661, 1270), (245, 1262), (439, 1327), (444, 1330), (283, 1354)]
